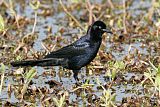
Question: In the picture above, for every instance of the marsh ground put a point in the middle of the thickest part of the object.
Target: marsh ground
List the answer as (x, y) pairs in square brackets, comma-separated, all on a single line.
[(124, 73)]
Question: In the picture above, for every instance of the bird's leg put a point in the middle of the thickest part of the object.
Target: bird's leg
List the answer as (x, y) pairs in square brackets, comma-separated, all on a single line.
[(75, 74)]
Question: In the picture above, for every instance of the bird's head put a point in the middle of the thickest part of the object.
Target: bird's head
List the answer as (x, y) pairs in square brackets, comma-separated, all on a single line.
[(98, 28)]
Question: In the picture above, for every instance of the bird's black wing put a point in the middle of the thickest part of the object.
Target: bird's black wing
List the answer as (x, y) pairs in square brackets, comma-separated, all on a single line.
[(69, 51)]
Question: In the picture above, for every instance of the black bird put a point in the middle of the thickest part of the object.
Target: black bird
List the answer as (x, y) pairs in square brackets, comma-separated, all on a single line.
[(76, 55)]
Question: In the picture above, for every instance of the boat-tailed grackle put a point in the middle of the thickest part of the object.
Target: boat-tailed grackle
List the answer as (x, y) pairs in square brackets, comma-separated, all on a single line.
[(76, 55)]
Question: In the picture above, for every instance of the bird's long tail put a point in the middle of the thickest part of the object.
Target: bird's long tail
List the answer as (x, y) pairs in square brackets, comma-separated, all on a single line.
[(41, 62)]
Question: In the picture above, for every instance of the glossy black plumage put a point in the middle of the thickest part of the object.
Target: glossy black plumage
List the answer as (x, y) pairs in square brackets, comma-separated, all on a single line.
[(76, 55)]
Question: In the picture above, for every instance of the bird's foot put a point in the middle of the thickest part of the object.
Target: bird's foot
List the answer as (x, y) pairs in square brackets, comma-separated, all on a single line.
[(78, 82), (75, 75), (76, 79)]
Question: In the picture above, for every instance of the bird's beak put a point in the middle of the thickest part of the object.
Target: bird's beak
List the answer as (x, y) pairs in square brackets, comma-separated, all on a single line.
[(107, 31)]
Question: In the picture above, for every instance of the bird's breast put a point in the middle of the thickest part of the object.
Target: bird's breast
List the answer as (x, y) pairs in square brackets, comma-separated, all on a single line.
[(80, 61)]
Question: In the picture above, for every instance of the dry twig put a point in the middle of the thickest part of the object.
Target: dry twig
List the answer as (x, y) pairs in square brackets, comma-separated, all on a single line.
[(124, 17), (69, 14)]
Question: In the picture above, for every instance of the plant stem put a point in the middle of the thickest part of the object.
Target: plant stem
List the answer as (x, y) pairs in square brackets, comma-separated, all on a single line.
[(65, 9)]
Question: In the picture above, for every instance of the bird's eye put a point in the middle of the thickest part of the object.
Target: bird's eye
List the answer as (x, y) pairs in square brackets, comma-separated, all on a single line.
[(99, 27)]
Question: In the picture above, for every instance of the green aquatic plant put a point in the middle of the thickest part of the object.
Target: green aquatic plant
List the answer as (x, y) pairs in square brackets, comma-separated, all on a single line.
[(28, 77), (84, 86), (35, 4), (2, 24), (114, 67), (153, 75), (59, 102), (107, 99)]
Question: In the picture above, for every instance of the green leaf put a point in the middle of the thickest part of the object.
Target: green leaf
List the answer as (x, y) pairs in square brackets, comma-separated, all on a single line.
[(2, 26), (56, 101), (157, 80), (159, 68), (113, 97), (62, 100), (119, 65), (18, 58), (28, 78), (35, 4), (59, 103), (3, 68), (113, 74), (75, 1), (30, 74)]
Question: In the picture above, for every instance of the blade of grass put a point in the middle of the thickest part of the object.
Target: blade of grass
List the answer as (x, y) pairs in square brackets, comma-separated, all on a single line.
[(2, 70)]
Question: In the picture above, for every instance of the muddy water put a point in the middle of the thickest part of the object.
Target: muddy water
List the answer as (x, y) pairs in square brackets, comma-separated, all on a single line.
[(56, 21)]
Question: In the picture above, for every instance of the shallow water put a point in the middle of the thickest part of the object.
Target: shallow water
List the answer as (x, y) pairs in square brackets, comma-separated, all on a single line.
[(56, 21)]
